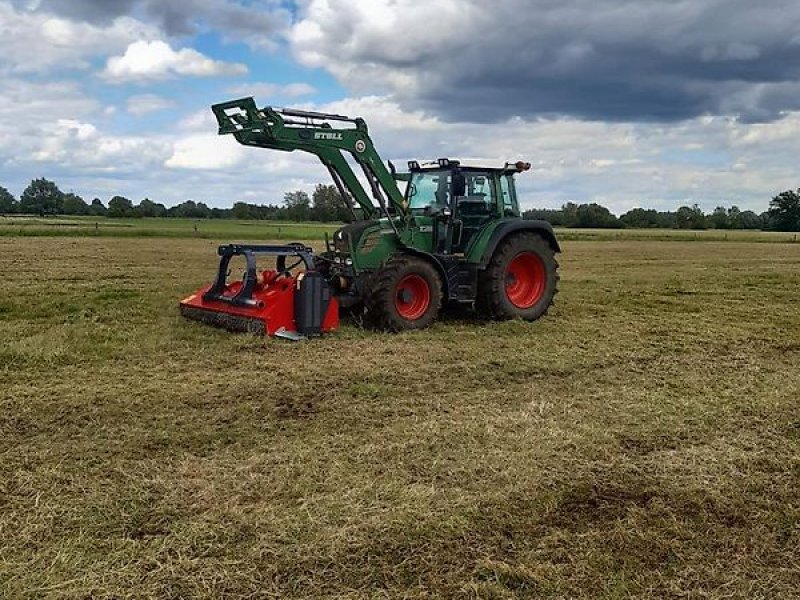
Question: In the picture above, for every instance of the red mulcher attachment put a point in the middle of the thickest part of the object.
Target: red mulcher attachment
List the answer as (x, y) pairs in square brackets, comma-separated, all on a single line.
[(270, 302)]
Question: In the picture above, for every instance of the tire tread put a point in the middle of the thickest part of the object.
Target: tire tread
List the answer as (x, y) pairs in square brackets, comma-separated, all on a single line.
[(492, 300)]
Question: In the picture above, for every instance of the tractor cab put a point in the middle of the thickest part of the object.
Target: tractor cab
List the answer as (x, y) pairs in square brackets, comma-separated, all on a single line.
[(464, 196)]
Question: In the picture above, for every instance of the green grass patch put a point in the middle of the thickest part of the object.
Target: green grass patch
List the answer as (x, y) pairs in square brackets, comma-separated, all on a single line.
[(161, 227), (62, 226)]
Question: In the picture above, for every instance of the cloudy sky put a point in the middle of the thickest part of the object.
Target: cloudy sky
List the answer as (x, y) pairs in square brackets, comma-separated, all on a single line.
[(627, 103)]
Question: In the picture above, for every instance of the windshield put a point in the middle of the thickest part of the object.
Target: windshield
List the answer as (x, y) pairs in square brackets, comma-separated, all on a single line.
[(428, 188)]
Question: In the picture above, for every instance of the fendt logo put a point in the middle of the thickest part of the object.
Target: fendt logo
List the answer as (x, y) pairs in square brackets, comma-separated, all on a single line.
[(327, 136)]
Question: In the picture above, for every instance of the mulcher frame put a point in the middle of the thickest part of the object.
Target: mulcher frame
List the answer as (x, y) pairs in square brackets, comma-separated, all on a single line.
[(244, 297)]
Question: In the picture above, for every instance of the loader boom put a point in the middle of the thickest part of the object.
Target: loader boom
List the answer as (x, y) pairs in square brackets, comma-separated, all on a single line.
[(314, 132)]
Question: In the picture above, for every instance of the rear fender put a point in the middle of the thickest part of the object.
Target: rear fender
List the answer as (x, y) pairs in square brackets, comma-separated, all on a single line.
[(503, 230)]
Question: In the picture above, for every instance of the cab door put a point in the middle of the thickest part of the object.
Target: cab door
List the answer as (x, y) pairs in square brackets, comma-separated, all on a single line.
[(476, 208)]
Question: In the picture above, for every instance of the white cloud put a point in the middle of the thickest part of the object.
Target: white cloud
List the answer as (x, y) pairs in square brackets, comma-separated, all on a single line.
[(39, 42), (79, 145), (25, 102), (145, 60), (142, 104), (348, 38), (55, 130), (621, 165), (267, 90), (54, 126), (198, 121), (205, 152)]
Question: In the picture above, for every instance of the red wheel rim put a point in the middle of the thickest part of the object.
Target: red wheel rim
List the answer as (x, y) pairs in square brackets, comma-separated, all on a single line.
[(526, 280), (413, 297)]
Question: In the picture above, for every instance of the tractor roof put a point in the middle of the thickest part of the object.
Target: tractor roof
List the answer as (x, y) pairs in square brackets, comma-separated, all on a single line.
[(446, 163)]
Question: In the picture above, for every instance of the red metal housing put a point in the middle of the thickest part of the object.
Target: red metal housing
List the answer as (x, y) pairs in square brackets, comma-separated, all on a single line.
[(272, 309), (266, 302)]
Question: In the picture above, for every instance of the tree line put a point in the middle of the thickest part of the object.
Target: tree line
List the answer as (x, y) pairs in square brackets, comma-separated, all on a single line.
[(783, 215), (325, 204), (43, 197)]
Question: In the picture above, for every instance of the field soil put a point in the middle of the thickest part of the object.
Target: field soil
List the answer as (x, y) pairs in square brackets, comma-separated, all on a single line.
[(640, 441)]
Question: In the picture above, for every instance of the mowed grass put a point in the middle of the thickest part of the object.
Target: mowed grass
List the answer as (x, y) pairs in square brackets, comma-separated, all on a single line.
[(642, 440), (61, 226), (230, 229)]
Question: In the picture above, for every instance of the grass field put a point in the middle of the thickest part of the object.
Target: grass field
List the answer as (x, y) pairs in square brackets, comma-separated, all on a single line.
[(643, 440), (16, 226), (160, 227)]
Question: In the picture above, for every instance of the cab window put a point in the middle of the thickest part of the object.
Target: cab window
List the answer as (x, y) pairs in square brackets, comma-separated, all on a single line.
[(510, 207), (479, 186), (478, 191), (428, 189)]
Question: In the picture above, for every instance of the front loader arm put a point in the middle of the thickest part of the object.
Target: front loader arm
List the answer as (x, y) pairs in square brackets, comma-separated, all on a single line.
[(289, 130)]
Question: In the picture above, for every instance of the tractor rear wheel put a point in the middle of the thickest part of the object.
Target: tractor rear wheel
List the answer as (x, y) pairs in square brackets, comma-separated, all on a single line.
[(520, 280), (405, 294)]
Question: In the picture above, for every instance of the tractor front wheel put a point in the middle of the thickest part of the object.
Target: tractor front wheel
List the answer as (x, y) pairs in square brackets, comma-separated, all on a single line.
[(520, 280), (405, 294)]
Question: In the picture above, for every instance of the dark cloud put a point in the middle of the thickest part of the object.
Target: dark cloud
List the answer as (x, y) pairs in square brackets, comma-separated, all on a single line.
[(623, 60), (92, 11), (254, 21)]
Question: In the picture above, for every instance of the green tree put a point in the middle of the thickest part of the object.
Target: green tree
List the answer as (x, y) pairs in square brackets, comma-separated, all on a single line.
[(241, 210), (749, 220), (148, 208), (719, 219), (735, 217), (594, 215), (554, 216), (639, 218), (8, 204), (570, 212), (119, 206), (41, 197), (784, 211), (74, 205), (690, 218), (328, 204), (297, 205), (97, 209), (667, 220), (190, 210)]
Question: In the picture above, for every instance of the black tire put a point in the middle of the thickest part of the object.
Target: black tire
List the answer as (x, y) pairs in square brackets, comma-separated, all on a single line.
[(499, 294), (393, 304)]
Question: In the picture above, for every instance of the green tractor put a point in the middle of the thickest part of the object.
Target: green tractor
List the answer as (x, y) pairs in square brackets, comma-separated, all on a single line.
[(454, 237)]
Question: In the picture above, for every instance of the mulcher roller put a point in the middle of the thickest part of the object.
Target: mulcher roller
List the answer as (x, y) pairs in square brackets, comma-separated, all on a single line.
[(222, 320)]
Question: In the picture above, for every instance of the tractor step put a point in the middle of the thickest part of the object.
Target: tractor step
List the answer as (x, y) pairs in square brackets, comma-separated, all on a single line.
[(266, 302)]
